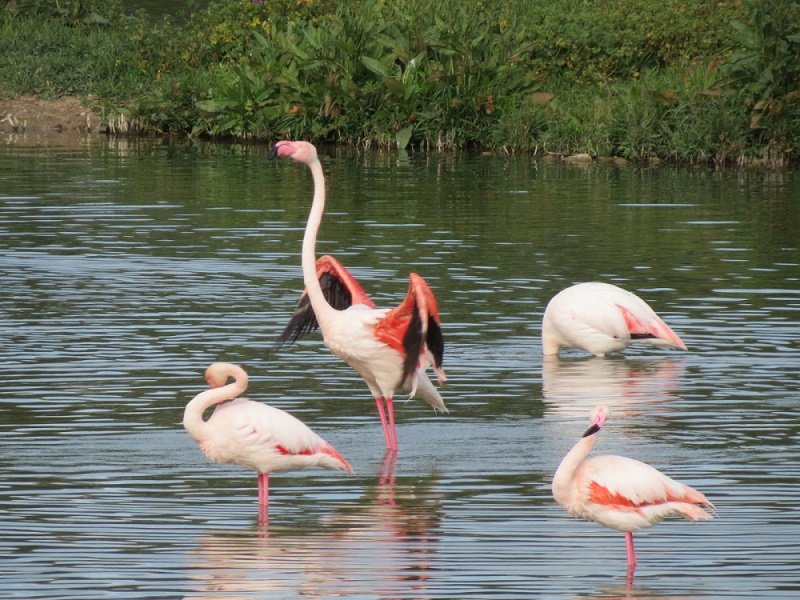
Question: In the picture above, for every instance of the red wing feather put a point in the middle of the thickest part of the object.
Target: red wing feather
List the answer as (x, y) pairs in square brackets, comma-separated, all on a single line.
[(599, 494), (357, 295), (326, 449), (341, 290), (411, 325)]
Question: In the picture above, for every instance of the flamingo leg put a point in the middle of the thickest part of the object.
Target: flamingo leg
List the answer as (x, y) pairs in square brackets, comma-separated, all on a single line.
[(263, 489), (630, 551), (387, 433), (390, 410), (386, 491)]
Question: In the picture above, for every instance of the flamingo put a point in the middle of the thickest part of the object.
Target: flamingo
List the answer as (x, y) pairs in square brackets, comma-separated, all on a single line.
[(256, 436), (620, 492), (390, 349), (602, 318)]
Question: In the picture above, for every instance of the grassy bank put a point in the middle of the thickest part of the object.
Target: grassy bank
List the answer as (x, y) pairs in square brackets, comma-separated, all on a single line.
[(689, 81)]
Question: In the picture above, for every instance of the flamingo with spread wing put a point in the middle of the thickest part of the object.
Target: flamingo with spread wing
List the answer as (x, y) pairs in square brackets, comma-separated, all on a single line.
[(390, 349)]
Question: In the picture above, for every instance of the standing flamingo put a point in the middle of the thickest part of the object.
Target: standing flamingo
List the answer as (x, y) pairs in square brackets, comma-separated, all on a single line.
[(256, 436), (602, 318), (391, 349), (619, 492)]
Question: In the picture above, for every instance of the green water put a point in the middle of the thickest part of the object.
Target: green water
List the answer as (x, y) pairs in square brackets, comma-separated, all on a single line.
[(128, 267)]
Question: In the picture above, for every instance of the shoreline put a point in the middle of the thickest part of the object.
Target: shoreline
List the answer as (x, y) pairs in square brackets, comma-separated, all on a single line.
[(31, 114)]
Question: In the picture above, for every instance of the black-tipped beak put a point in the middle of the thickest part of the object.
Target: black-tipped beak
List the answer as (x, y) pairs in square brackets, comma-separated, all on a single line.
[(591, 431), (273, 153)]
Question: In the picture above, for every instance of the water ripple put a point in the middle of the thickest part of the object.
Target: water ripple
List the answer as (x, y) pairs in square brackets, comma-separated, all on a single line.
[(126, 271)]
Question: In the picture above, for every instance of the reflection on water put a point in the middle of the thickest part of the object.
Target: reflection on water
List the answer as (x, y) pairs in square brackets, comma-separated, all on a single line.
[(630, 590), (128, 267), (384, 542), (572, 387)]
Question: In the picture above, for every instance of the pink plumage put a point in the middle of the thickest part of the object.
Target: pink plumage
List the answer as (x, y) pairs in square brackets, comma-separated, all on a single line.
[(253, 435), (602, 318), (390, 349), (619, 492)]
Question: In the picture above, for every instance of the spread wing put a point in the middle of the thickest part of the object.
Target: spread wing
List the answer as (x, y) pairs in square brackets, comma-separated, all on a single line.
[(341, 290)]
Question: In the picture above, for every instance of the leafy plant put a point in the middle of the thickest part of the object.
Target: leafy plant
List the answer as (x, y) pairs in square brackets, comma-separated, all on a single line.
[(766, 67), (98, 12), (633, 77)]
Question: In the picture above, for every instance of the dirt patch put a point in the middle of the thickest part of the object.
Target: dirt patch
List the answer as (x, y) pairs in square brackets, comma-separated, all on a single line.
[(32, 114)]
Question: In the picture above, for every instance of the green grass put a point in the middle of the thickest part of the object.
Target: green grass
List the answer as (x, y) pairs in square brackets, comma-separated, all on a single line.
[(47, 58), (634, 78)]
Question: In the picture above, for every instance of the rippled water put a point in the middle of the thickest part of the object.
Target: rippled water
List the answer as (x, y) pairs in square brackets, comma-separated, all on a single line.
[(127, 268)]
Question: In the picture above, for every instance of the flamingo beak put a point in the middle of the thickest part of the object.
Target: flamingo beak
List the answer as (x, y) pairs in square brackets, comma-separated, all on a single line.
[(591, 431), (598, 420)]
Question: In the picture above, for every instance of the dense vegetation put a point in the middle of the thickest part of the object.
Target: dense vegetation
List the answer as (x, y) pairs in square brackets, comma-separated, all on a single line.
[(676, 79)]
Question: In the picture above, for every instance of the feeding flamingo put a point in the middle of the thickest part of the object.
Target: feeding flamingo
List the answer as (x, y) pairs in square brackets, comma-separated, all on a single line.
[(256, 436), (602, 318), (390, 349), (619, 492)]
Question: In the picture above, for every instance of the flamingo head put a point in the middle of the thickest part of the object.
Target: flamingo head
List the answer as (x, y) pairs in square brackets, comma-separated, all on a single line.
[(217, 375), (597, 419), (303, 152)]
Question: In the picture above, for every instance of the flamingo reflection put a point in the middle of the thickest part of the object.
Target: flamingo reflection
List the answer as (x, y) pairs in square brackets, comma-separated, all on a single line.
[(382, 544), (572, 387)]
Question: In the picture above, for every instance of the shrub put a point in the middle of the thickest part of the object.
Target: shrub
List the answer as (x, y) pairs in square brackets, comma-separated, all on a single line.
[(635, 78), (765, 71)]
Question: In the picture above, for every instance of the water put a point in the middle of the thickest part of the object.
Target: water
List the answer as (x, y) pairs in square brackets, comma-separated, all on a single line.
[(128, 267)]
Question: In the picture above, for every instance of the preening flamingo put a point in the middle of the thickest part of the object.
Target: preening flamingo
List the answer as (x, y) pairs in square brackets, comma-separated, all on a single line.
[(619, 492), (602, 318), (256, 436), (391, 349)]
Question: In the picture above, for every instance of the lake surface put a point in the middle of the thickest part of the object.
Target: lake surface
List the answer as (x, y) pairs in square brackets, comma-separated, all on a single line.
[(128, 267)]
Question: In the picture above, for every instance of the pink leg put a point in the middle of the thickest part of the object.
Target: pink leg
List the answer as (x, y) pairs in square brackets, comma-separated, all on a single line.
[(387, 468), (386, 491), (390, 409), (387, 436), (263, 489), (631, 552)]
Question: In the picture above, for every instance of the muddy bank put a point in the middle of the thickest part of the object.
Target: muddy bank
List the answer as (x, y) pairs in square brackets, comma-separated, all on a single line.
[(29, 114)]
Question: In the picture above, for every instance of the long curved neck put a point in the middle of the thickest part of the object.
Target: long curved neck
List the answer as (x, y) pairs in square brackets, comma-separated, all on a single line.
[(323, 311), (550, 341), (193, 414), (562, 480)]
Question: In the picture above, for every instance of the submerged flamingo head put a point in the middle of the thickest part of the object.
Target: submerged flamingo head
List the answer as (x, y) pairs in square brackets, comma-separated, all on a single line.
[(303, 152), (217, 375), (597, 419)]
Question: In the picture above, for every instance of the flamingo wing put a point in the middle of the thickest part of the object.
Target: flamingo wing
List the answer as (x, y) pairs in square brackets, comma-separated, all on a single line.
[(340, 289), (639, 320), (650, 328), (293, 438), (626, 494), (266, 439), (413, 328)]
